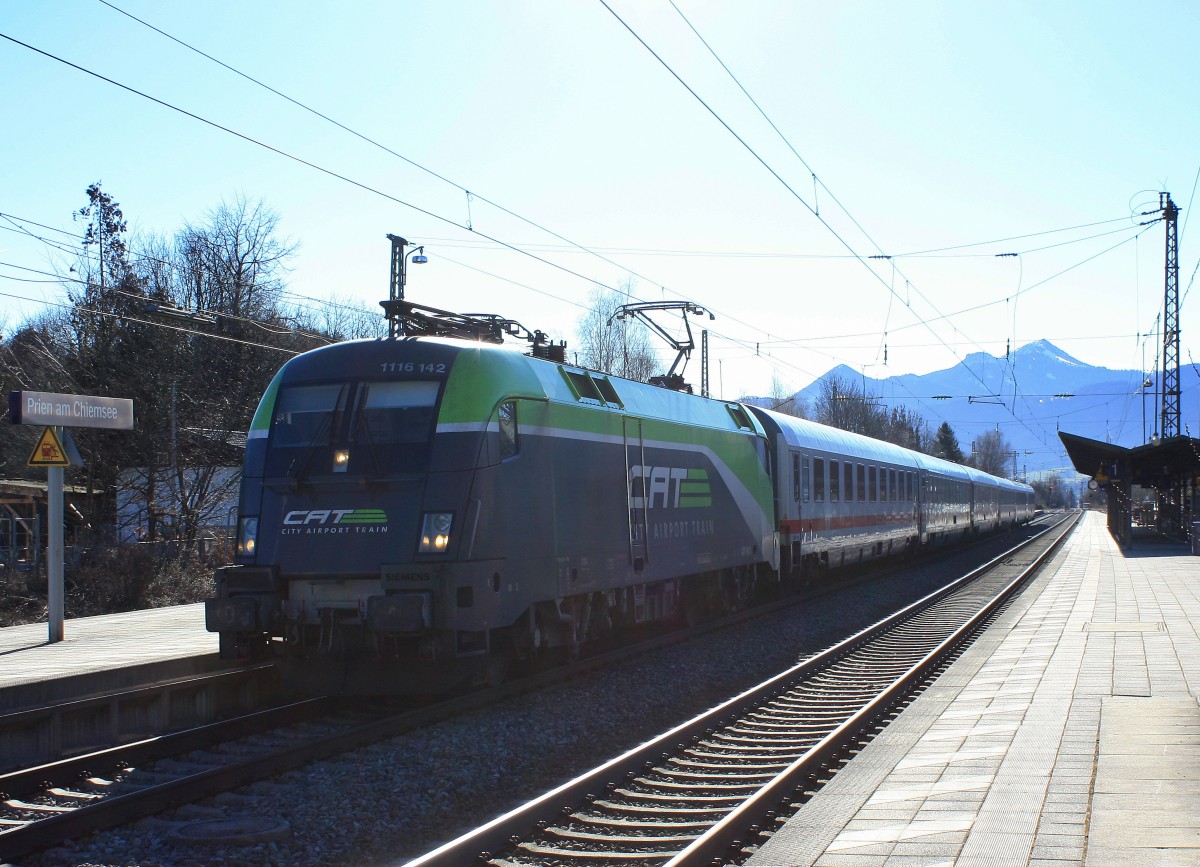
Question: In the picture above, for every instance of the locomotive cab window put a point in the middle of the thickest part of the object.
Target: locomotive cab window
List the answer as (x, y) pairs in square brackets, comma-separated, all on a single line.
[(307, 415), (396, 412), (507, 415)]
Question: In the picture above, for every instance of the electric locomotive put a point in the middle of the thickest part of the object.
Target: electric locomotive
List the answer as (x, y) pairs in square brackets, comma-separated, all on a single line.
[(417, 511)]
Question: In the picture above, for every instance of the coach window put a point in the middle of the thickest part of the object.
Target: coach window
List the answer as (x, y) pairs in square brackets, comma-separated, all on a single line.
[(819, 479), (508, 428), (892, 485), (796, 476), (805, 478), (862, 483), (873, 477), (835, 481)]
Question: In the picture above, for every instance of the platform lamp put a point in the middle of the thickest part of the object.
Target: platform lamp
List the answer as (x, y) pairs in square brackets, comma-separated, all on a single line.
[(400, 274)]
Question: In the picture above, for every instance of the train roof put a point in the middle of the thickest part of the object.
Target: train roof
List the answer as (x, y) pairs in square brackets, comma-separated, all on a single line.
[(484, 373), (803, 433)]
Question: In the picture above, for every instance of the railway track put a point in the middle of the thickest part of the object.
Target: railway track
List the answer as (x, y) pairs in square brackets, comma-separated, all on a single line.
[(705, 790), (67, 799)]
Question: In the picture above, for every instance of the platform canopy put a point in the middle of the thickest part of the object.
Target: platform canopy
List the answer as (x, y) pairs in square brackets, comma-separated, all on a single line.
[(1147, 465)]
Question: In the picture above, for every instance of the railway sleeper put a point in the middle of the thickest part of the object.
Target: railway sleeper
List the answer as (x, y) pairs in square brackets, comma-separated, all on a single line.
[(677, 798), (609, 821), (732, 753), (692, 785), (756, 740), (731, 772), (770, 769), (767, 730), (621, 839), (542, 852), (660, 810)]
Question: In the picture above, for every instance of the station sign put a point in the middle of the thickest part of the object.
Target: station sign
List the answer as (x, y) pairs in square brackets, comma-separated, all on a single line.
[(70, 410)]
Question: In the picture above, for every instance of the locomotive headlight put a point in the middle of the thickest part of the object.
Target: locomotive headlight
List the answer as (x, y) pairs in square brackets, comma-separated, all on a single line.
[(341, 459), (435, 532), (247, 540)]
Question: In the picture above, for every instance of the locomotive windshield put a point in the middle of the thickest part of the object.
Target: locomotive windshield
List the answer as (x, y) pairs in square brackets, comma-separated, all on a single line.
[(358, 416), (396, 412), (305, 415)]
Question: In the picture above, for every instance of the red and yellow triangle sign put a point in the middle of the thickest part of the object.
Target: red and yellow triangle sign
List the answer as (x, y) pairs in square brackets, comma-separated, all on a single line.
[(49, 451)]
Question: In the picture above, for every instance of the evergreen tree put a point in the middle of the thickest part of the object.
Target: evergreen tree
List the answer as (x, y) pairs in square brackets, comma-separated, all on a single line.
[(945, 444)]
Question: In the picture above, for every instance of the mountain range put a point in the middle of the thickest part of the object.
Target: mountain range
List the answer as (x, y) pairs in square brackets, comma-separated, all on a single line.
[(1029, 396)]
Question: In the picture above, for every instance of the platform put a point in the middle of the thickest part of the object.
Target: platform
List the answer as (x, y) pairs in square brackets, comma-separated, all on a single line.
[(101, 654), (1069, 733)]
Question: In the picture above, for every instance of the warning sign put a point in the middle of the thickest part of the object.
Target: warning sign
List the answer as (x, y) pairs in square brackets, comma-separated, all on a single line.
[(49, 451)]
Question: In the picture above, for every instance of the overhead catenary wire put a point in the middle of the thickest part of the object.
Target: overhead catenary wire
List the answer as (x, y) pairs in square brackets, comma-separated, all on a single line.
[(943, 342), (927, 323)]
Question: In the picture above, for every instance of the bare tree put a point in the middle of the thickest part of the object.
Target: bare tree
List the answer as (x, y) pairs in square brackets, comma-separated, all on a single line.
[(235, 260), (992, 453), (843, 404), (341, 319), (623, 347), (785, 400)]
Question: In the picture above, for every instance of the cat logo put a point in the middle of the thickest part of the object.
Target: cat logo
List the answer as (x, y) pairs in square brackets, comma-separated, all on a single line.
[(669, 487), (305, 517)]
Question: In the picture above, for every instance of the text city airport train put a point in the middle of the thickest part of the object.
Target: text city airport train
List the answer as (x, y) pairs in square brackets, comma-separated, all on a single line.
[(414, 512)]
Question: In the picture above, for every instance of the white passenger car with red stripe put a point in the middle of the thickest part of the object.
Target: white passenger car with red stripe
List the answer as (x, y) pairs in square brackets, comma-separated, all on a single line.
[(844, 498)]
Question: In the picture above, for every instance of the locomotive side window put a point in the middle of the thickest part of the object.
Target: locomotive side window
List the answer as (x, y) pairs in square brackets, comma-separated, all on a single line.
[(397, 412), (507, 413), (819, 479), (835, 481), (307, 414)]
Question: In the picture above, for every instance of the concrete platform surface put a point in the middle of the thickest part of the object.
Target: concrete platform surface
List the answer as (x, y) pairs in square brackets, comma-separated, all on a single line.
[(103, 653), (1069, 733)]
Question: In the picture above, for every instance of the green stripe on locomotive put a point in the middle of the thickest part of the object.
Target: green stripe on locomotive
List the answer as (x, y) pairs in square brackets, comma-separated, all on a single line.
[(483, 377)]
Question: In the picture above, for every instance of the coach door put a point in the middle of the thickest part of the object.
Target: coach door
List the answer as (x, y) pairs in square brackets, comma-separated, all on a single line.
[(635, 492)]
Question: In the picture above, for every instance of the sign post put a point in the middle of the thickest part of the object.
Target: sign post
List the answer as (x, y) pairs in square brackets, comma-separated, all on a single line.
[(58, 411), (56, 592)]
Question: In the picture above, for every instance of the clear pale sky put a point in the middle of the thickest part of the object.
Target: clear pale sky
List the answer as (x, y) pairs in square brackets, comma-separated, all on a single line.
[(969, 128)]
